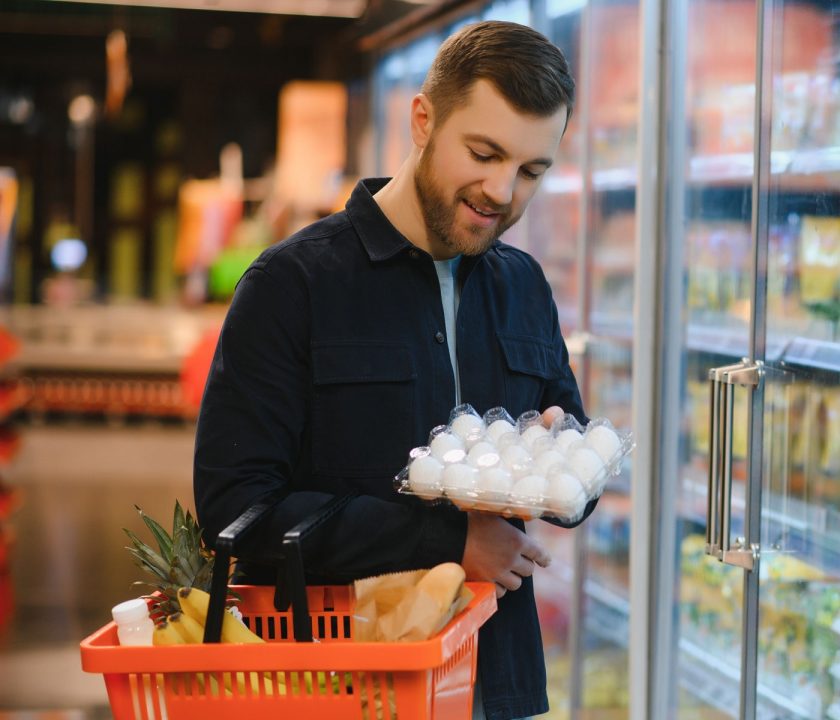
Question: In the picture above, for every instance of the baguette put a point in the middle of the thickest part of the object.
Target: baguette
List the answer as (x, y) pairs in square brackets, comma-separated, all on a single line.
[(443, 583)]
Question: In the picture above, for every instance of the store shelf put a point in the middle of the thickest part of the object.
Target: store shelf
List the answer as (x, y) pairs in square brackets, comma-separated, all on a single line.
[(818, 354), (105, 339), (716, 681), (809, 531), (793, 169), (707, 675)]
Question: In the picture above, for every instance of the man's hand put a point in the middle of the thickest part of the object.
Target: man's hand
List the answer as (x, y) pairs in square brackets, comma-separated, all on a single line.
[(499, 552), (550, 414)]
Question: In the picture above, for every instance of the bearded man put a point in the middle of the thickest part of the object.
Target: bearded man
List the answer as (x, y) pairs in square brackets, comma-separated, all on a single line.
[(348, 341)]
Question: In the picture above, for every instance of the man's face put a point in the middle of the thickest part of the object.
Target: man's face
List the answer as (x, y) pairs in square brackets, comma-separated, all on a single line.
[(479, 170)]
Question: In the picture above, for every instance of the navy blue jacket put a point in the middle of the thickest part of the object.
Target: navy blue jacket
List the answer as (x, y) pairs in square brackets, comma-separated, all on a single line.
[(332, 364)]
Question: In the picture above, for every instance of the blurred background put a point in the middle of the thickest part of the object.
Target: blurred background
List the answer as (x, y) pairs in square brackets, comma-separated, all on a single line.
[(149, 150)]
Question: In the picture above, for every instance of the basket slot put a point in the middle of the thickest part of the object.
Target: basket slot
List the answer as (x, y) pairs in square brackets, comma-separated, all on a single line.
[(270, 627), (463, 650), (148, 695), (376, 695)]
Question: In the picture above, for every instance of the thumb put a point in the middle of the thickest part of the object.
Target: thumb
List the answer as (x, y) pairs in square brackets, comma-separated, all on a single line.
[(550, 414)]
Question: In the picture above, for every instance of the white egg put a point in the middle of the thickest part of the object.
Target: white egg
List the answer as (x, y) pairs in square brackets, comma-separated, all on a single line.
[(459, 483), (474, 436), (529, 487), (515, 455), (507, 439), (544, 462), (527, 497), (424, 475), (604, 441), (444, 442), (588, 466), (494, 481), (479, 449), (498, 428), (566, 496), (543, 444), (532, 433), (568, 440), (463, 424), (455, 455)]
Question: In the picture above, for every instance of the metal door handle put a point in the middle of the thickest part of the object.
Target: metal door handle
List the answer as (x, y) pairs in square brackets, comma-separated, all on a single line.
[(722, 383)]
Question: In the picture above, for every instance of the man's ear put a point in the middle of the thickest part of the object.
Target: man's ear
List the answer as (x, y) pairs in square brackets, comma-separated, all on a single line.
[(422, 120)]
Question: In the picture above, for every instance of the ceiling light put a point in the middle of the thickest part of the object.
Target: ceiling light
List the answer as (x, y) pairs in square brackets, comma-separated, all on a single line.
[(318, 8)]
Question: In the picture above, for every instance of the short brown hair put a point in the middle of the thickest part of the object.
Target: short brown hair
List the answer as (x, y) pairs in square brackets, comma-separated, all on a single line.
[(524, 66)]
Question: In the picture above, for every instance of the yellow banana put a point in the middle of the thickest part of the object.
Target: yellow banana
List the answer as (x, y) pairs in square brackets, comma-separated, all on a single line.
[(194, 602), (188, 627), (166, 634)]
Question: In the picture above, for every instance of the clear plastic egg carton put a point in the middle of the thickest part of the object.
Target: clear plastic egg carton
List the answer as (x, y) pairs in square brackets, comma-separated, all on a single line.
[(519, 468)]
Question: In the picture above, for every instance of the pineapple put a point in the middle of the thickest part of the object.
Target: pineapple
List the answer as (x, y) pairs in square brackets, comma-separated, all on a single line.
[(182, 560)]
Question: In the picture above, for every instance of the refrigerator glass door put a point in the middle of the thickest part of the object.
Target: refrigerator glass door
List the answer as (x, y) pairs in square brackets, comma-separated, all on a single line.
[(798, 673), (718, 98)]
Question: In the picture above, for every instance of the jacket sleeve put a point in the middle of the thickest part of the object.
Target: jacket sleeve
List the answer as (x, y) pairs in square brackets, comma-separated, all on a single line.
[(563, 391), (252, 426)]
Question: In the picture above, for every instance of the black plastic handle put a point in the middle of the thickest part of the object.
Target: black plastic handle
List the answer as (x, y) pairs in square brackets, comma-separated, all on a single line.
[(291, 580)]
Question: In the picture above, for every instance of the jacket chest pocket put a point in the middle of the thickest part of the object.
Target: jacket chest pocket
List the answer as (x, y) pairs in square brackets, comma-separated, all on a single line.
[(529, 364), (363, 408)]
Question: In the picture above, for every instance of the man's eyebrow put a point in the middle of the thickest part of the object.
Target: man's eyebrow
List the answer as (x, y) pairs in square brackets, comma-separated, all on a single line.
[(474, 137)]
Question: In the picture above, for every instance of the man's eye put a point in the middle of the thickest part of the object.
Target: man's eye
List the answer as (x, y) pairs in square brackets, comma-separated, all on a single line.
[(479, 156), (529, 174)]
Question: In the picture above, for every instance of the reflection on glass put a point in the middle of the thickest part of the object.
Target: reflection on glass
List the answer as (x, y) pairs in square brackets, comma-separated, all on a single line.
[(717, 250), (799, 644)]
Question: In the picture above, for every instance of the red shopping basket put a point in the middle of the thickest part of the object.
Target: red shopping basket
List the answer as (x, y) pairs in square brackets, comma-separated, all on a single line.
[(330, 678)]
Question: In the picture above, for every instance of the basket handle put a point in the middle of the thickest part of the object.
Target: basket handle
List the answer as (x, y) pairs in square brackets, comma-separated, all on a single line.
[(291, 581)]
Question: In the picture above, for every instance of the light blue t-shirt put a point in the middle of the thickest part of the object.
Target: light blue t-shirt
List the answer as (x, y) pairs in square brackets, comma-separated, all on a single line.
[(450, 296)]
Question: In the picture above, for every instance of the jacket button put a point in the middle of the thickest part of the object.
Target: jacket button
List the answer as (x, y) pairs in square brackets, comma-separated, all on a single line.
[(440, 337)]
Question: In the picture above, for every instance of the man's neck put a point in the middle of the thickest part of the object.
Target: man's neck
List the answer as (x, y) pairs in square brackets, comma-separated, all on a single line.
[(399, 202)]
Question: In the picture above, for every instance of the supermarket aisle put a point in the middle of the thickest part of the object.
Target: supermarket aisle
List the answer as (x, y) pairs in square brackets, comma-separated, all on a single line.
[(79, 484)]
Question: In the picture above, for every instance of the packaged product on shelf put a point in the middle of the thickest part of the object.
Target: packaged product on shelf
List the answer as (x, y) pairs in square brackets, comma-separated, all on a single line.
[(819, 260), (515, 467), (830, 458)]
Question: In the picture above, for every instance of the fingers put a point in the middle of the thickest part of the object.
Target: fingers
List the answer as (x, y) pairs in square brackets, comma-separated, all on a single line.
[(536, 552), (500, 590), (550, 414), (524, 567), (508, 581)]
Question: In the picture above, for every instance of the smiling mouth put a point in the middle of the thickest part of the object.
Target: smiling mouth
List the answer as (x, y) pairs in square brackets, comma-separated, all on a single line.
[(483, 213)]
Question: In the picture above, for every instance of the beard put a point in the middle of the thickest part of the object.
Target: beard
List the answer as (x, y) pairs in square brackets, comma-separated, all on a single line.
[(440, 215)]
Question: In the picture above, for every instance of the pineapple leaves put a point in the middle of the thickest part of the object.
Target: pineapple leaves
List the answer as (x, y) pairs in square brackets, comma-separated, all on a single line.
[(147, 557), (181, 559), (163, 540)]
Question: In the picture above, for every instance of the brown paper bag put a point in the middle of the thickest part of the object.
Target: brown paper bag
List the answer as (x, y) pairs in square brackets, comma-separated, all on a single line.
[(391, 608)]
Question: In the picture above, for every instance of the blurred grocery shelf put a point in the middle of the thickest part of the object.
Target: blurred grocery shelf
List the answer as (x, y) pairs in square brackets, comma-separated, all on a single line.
[(78, 485), (115, 361)]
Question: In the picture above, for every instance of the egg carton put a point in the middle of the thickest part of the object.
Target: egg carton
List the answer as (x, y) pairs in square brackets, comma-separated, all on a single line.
[(527, 471)]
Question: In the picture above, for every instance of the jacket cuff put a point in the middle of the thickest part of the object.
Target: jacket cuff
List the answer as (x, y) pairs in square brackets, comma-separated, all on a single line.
[(590, 506), (443, 534)]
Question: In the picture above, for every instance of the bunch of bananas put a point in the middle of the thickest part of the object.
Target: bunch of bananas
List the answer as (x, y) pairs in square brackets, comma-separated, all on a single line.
[(187, 626)]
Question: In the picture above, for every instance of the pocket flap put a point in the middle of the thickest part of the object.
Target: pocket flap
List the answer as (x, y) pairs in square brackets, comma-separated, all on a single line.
[(359, 362), (529, 355)]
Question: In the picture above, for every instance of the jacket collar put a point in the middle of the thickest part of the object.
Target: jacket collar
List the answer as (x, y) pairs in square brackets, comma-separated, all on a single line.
[(380, 239)]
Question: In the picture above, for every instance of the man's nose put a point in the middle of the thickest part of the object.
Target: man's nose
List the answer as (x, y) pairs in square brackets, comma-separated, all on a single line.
[(500, 184)]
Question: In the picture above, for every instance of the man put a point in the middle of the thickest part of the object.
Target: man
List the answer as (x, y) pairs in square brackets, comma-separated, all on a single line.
[(346, 343)]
